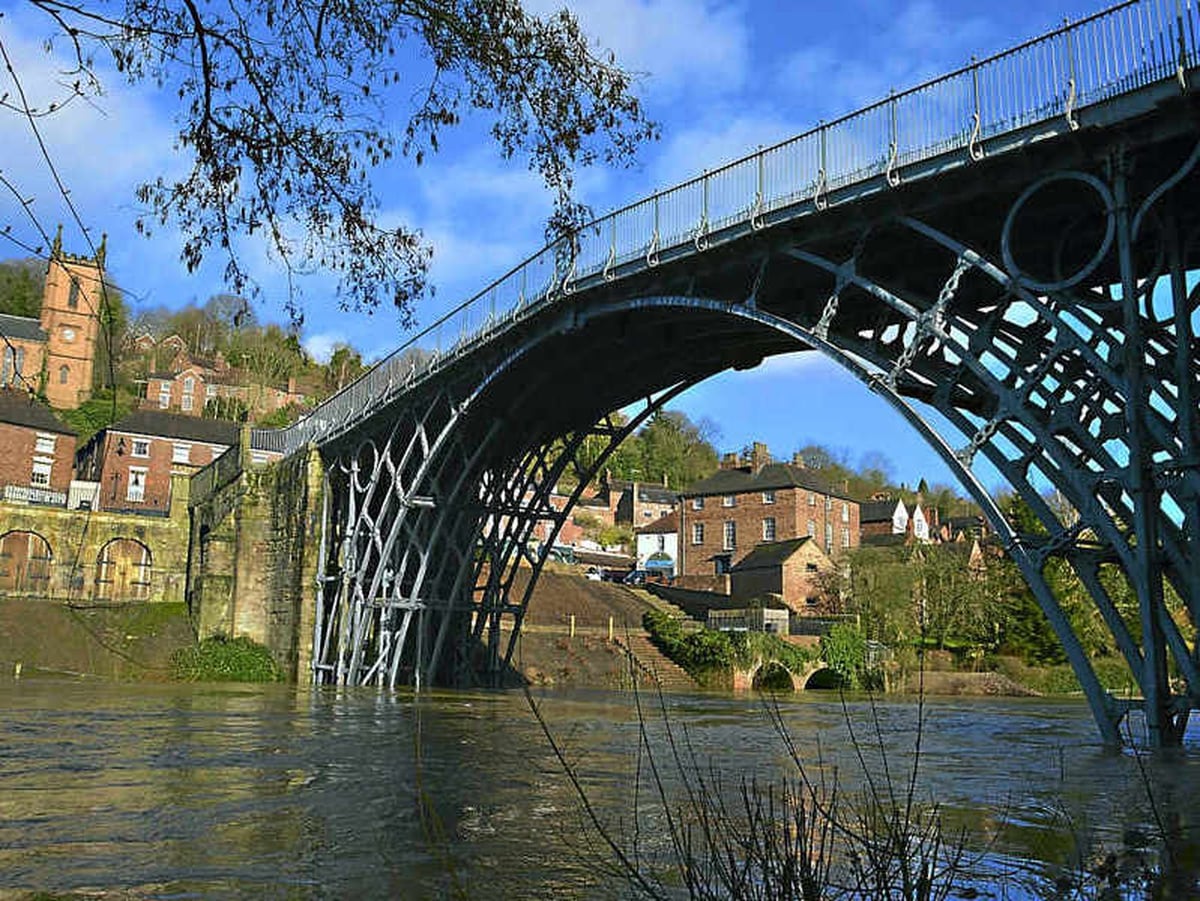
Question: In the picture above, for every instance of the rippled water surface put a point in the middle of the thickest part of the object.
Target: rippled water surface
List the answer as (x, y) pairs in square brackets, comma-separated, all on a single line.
[(248, 791)]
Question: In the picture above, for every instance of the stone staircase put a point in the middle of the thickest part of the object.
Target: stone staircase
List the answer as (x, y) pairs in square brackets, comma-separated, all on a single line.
[(655, 664), (665, 606)]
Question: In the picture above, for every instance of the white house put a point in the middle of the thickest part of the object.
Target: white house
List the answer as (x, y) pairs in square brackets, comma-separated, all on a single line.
[(658, 545)]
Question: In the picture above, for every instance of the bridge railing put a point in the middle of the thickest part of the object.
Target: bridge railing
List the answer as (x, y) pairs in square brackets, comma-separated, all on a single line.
[(1115, 51)]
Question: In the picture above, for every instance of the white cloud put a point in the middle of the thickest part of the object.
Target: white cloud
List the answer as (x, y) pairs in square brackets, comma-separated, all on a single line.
[(680, 45), (321, 346)]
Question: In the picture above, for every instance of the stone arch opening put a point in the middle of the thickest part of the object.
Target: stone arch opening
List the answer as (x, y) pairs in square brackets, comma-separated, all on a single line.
[(123, 570), (826, 679), (25, 563), (773, 676)]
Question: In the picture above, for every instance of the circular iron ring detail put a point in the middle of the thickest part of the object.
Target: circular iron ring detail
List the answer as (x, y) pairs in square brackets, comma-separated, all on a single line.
[(1088, 268)]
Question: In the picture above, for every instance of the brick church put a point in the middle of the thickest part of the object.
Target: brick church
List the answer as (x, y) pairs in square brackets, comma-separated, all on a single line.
[(55, 354)]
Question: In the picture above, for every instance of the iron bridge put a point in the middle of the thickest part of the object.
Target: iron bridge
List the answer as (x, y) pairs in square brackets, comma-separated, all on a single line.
[(1004, 254)]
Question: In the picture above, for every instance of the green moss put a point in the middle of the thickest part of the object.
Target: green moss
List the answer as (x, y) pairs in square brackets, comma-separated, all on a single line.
[(142, 620), (220, 659)]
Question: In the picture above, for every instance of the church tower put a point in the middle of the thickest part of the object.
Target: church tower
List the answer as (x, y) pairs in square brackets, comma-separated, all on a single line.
[(71, 305)]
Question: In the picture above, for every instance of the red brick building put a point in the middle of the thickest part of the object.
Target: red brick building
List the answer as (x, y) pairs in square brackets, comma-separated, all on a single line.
[(37, 452), (133, 459), (55, 353), (637, 503), (751, 501), (790, 570)]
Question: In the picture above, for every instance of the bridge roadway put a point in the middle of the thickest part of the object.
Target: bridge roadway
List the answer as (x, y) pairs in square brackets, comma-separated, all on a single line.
[(1001, 253)]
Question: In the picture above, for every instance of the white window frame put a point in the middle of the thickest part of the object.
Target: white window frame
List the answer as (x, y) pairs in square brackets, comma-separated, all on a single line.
[(44, 468), (729, 535), (186, 402), (697, 533), (181, 452), (136, 496), (44, 443), (812, 498), (768, 497), (845, 538), (729, 500), (812, 528), (697, 503), (140, 447), (768, 528), (189, 385), (164, 398), (845, 512), (210, 391)]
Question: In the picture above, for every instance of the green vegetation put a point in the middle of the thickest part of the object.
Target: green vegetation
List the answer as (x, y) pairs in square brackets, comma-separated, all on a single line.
[(710, 656), (98, 412), (21, 287), (220, 659), (844, 651), (668, 450)]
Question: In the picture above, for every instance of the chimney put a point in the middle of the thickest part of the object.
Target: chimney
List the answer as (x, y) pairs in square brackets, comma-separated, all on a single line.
[(729, 460), (798, 460), (291, 384), (759, 457)]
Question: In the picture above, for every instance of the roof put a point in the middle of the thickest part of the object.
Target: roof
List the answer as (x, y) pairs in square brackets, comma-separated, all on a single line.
[(19, 408), (877, 511), (664, 525), (23, 327), (884, 540), (771, 554), (178, 425), (648, 492), (770, 477)]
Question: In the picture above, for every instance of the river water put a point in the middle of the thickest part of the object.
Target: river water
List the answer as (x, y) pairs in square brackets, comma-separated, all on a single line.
[(185, 791)]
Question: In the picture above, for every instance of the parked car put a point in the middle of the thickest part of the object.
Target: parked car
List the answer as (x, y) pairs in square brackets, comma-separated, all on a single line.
[(616, 575), (593, 574), (635, 577)]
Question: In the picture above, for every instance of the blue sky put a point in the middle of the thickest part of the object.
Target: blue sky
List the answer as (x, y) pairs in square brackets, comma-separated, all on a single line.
[(720, 77)]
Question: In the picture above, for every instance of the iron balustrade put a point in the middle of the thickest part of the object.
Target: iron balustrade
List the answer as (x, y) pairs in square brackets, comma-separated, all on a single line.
[(1116, 51), (30, 494)]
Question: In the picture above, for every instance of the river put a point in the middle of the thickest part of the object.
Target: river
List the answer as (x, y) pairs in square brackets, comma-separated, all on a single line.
[(203, 791)]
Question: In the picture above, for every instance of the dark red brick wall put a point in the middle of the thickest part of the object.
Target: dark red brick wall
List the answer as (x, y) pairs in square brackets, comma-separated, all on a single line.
[(17, 450)]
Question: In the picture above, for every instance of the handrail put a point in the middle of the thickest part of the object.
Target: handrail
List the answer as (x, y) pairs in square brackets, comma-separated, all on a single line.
[(1115, 51)]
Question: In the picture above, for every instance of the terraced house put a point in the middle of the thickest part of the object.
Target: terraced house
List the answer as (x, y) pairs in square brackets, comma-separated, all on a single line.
[(752, 500)]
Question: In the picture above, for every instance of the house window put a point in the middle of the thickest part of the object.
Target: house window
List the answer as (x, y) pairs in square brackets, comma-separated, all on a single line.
[(7, 372), (768, 497), (186, 402), (810, 602), (141, 447), (812, 499), (44, 444), (697, 533), (41, 472), (728, 500), (164, 398), (64, 374), (845, 512), (189, 385), (662, 542), (828, 537), (812, 528), (210, 390), (730, 536), (136, 490), (769, 529), (181, 453), (810, 567), (73, 295), (697, 503), (845, 538), (721, 564)]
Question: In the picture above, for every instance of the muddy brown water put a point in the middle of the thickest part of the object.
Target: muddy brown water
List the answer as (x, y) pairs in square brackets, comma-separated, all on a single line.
[(192, 791)]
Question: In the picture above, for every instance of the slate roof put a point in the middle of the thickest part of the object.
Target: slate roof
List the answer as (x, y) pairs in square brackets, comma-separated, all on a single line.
[(18, 408), (664, 525), (770, 554), (877, 511), (22, 327), (177, 425), (770, 477)]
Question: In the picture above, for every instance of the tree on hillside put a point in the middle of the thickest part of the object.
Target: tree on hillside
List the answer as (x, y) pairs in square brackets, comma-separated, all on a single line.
[(21, 283), (284, 112), (676, 451), (344, 366)]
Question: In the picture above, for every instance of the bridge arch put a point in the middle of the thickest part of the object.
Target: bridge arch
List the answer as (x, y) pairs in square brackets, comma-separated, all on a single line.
[(26, 560)]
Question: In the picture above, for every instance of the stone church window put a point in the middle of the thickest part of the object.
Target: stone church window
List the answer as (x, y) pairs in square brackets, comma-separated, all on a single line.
[(73, 296), (64, 374)]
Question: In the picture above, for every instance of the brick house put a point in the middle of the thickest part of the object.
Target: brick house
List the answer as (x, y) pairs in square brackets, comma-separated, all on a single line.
[(637, 503), (789, 570), (887, 520), (189, 389), (753, 500), (37, 451), (55, 353), (133, 459)]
